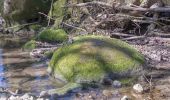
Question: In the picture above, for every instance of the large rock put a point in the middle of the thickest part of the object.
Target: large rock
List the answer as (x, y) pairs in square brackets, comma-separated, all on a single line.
[(90, 58)]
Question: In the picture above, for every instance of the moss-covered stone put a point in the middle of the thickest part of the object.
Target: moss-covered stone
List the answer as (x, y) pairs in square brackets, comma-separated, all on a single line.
[(58, 12), (90, 58), (30, 45), (50, 35)]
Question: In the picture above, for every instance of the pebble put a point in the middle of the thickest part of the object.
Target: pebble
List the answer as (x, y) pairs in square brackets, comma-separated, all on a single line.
[(125, 98), (116, 84), (25, 96), (138, 88), (12, 98), (43, 93)]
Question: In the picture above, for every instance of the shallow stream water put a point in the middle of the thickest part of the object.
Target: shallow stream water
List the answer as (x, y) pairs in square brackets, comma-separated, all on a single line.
[(19, 71)]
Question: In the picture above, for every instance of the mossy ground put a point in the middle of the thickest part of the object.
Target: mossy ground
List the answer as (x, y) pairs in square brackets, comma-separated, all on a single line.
[(91, 57), (30, 45), (51, 35)]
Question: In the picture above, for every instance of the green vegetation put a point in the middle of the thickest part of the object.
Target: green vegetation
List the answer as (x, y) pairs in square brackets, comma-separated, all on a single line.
[(50, 35), (91, 57), (65, 89), (30, 45), (35, 27), (48, 54), (127, 81), (58, 12)]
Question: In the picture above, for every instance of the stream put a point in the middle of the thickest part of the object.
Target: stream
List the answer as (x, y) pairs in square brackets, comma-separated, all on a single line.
[(18, 71)]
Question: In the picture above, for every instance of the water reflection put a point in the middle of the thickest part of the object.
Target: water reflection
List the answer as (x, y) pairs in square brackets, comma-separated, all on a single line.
[(2, 70)]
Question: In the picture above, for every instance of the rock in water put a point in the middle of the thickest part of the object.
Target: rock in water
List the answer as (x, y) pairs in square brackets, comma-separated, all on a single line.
[(138, 88), (90, 58)]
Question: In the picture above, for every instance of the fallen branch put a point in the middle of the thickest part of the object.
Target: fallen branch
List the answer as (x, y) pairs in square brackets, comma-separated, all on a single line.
[(161, 35), (122, 35), (159, 9), (74, 27), (134, 38), (90, 3)]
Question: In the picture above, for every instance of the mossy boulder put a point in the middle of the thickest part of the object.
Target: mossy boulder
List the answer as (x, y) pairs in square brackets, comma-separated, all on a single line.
[(30, 45), (51, 35), (90, 58)]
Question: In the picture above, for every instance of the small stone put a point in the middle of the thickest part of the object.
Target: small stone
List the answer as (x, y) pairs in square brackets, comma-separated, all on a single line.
[(43, 93), (116, 84), (18, 91), (31, 98), (138, 88), (25, 96), (40, 99), (125, 98), (12, 98)]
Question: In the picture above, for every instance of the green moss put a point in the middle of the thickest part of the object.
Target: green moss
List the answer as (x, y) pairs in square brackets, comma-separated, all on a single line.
[(58, 12), (127, 81), (50, 35), (35, 27), (65, 89), (48, 54), (91, 57), (30, 45)]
